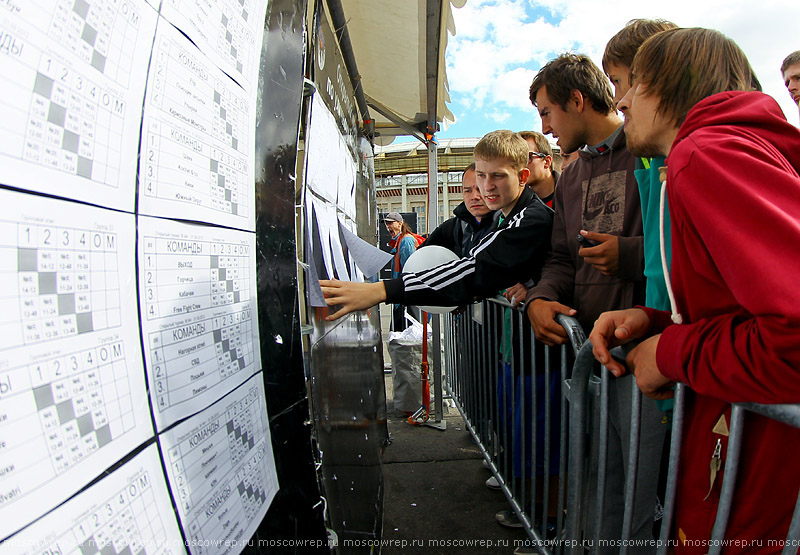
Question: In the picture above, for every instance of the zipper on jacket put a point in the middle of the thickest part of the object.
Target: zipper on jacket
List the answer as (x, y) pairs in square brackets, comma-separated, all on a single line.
[(716, 464)]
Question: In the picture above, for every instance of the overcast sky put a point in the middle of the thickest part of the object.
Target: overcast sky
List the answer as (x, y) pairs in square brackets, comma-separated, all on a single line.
[(500, 45)]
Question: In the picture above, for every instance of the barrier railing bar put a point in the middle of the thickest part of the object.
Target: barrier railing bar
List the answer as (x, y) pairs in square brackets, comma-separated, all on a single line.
[(476, 391), (793, 537), (535, 440), (579, 383), (672, 474), (526, 522), (518, 362), (437, 364), (575, 332), (602, 456), (501, 429), (562, 463), (510, 372), (494, 430), (788, 414), (577, 338), (482, 361), (633, 464)]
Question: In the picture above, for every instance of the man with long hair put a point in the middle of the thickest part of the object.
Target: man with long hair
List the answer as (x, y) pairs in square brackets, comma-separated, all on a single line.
[(734, 198)]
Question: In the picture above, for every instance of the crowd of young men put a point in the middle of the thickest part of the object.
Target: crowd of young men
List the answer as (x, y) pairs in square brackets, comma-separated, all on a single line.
[(674, 228)]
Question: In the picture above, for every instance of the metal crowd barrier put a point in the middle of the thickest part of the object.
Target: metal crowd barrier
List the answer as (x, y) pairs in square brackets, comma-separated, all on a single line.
[(498, 401), (583, 391)]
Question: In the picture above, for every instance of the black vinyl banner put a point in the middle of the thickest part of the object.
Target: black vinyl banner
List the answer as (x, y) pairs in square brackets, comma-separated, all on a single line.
[(295, 517), (333, 81)]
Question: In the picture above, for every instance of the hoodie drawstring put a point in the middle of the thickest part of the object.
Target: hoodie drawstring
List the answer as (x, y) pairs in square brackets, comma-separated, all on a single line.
[(676, 317)]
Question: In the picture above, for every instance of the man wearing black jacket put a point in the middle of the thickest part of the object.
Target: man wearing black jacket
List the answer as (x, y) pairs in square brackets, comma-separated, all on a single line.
[(513, 252), (472, 220)]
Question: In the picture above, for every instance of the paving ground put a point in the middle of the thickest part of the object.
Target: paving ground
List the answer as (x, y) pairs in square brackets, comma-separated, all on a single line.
[(435, 498)]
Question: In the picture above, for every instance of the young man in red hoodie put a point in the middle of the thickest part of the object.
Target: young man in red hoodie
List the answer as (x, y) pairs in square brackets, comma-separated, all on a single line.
[(734, 197)]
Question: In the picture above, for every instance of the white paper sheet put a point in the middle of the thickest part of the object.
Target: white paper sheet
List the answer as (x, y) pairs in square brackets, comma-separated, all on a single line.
[(339, 261), (198, 311), (356, 273), (73, 81), (128, 509), (369, 258), (315, 295), (329, 236), (72, 390), (222, 471), (198, 134), (329, 160), (229, 32), (318, 233), (346, 194)]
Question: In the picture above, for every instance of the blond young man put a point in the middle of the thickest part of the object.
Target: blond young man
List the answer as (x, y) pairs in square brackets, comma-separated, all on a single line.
[(513, 252)]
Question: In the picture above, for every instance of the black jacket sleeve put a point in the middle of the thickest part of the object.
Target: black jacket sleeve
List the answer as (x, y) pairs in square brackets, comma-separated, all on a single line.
[(514, 252)]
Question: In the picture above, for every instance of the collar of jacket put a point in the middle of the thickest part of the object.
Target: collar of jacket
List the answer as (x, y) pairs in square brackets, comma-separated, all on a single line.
[(525, 198), (464, 215), (618, 143)]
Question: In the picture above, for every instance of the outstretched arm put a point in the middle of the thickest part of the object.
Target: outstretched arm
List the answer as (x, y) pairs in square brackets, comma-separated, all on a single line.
[(497, 262), (507, 255), (351, 295)]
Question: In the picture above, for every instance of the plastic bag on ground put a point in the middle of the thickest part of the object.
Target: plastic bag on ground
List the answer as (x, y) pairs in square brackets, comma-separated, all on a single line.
[(405, 350)]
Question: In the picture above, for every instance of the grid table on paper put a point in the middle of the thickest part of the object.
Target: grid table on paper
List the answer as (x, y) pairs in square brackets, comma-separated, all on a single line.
[(58, 282)]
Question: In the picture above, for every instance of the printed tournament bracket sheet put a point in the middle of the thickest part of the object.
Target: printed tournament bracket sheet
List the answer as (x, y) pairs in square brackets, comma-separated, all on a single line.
[(229, 32), (331, 170), (221, 470), (72, 390), (127, 512), (198, 134), (74, 76), (197, 288)]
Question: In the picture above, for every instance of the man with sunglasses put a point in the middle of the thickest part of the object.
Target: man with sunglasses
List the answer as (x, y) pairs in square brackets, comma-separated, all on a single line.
[(542, 181), (543, 177)]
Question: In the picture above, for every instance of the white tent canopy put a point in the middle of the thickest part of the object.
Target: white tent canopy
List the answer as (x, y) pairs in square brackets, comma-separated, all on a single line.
[(398, 47)]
